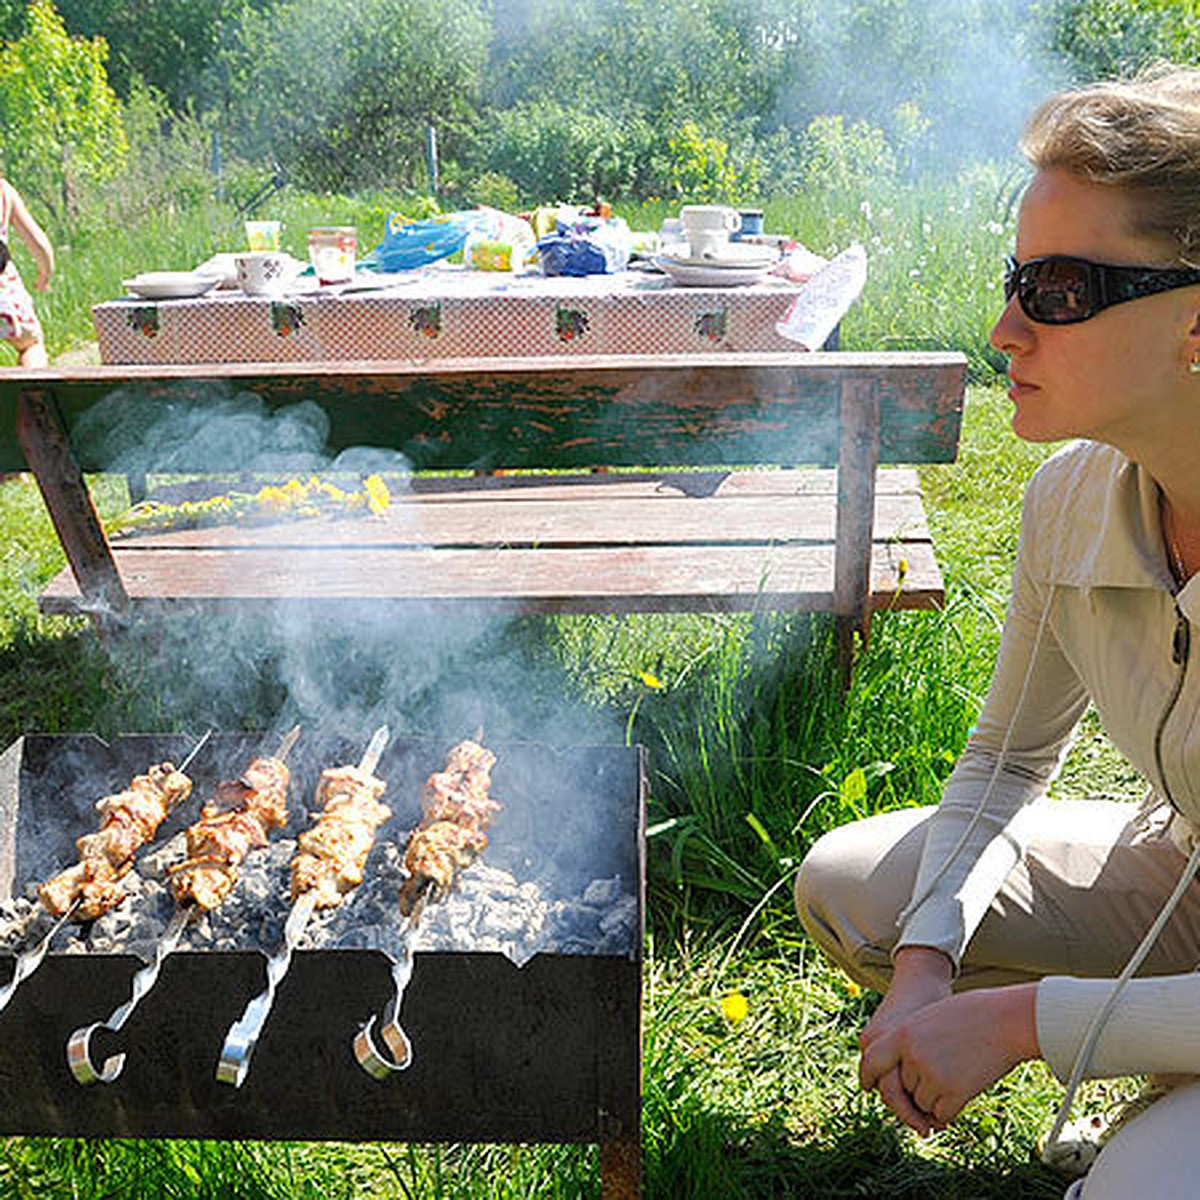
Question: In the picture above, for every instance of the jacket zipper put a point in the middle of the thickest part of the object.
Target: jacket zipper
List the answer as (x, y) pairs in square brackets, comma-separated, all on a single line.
[(1180, 645)]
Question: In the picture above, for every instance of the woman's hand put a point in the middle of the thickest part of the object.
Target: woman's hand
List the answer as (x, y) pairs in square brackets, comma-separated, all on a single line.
[(945, 1053), (921, 976)]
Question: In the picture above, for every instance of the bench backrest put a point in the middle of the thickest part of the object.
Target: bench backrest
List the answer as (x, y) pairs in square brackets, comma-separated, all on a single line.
[(780, 409)]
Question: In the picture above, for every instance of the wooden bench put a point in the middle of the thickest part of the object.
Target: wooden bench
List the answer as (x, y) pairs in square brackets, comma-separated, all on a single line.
[(707, 503)]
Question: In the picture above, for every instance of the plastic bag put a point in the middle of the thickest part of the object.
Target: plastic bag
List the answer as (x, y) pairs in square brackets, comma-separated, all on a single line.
[(408, 244), (498, 242), (589, 246)]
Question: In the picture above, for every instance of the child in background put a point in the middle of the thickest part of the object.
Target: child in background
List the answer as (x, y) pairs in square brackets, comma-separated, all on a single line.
[(19, 324)]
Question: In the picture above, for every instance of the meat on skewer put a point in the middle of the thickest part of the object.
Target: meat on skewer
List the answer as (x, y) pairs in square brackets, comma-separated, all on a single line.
[(235, 821), (331, 853), (129, 819), (456, 813)]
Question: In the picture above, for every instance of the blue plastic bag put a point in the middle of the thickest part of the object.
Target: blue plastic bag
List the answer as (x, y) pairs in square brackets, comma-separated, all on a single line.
[(592, 246), (408, 244)]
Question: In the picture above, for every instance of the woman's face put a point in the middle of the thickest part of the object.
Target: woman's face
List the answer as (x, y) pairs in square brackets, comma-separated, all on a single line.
[(1119, 376)]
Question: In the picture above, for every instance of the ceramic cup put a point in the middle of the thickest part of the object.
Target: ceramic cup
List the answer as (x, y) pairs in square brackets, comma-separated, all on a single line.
[(708, 226), (752, 224), (264, 272)]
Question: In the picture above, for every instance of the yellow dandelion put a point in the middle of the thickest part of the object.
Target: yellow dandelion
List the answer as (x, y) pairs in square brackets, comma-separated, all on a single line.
[(853, 988), (735, 1007), (272, 497), (378, 496), (651, 681)]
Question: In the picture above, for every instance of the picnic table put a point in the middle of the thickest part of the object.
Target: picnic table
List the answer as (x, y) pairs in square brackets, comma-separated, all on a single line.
[(445, 312)]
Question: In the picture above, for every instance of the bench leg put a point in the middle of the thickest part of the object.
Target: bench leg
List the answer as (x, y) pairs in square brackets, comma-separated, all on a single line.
[(48, 451), (621, 1167)]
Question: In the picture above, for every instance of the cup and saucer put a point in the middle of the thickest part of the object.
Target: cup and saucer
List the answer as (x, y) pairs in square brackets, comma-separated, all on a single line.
[(708, 258)]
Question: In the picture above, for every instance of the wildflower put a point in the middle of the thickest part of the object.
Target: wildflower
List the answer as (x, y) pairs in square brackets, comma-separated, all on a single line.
[(852, 988), (378, 496), (735, 1007), (651, 681)]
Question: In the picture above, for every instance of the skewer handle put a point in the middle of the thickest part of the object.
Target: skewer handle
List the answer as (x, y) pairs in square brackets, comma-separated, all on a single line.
[(366, 1052), (243, 1035), (79, 1051)]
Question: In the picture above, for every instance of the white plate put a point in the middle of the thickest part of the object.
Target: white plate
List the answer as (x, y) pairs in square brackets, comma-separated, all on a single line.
[(736, 256), (170, 285), (691, 274)]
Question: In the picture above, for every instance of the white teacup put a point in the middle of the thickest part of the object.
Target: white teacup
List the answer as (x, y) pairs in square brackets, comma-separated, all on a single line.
[(708, 226), (265, 272)]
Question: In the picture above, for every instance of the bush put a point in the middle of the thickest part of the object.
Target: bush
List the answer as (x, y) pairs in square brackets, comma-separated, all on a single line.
[(704, 168), (553, 151)]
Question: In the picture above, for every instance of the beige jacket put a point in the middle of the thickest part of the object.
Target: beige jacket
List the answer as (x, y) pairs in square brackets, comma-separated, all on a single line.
[(1094, 616)]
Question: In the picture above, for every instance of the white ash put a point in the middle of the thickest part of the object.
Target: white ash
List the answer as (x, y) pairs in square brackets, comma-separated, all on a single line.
[(489, 910)]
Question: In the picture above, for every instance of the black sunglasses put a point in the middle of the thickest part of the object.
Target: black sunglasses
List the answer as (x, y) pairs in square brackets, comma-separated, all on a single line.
[(1060, 290)]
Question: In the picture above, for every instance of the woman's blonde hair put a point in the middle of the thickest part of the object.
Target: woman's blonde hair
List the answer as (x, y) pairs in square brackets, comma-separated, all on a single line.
[(1141, 135)]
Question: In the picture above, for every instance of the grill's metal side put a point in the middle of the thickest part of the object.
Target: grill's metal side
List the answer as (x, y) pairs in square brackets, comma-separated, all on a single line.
[(546, 1052)]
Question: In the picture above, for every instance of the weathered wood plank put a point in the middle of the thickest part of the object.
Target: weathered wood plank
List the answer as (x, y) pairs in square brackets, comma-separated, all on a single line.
[(724, 409), (620, 579)]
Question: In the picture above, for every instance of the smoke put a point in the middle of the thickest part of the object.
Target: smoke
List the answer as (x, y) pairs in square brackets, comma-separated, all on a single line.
[(949, 84), (342, 666)]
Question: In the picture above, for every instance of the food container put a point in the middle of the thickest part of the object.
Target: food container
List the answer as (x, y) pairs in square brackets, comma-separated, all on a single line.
[(331, 249)]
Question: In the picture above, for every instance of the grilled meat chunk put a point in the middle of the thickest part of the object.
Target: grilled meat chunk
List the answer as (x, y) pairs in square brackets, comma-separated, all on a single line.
[(128, 820), (235, 821), (457, 811), (331, 854)]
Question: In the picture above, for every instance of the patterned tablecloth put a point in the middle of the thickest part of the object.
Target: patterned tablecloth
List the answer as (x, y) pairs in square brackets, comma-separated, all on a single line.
[(447, 312)]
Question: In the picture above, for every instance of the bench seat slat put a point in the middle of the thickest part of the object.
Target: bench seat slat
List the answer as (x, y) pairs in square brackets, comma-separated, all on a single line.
[(650, 512), (622, 579)]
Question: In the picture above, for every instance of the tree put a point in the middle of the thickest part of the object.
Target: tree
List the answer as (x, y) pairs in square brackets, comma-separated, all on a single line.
[(342, 91), (61, 120), (169, 44)]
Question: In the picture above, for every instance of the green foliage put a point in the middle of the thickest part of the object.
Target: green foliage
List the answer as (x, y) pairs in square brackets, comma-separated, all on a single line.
[(496, 191), (168, 166), (169, 45), (342, 91), (846, 161), (1107, 38), (553, 151), (702, 168), (666, 61), (61, 120)]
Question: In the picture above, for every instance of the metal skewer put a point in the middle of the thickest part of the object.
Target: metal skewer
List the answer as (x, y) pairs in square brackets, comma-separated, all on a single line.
[(367, 1053), (79, 1050), (31, 959), (243, 1035)]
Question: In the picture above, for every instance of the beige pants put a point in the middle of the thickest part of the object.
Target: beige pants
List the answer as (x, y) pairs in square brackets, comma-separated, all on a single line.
[(1093, 878)]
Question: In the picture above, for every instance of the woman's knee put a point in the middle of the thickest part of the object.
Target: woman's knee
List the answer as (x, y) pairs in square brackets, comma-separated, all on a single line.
[(825, 872), (852, 885)]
